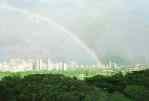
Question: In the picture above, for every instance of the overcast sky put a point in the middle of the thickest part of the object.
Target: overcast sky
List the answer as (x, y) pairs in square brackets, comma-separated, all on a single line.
[(117, 27)]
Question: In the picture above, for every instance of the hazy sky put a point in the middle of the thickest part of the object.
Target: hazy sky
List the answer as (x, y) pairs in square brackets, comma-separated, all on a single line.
[(117, 27)]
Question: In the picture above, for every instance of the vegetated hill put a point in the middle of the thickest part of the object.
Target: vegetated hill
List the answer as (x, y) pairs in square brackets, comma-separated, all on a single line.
[(51, 87), (134, 85)]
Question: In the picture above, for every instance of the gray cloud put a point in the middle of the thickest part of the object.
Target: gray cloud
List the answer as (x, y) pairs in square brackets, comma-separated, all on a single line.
[(117, 27)]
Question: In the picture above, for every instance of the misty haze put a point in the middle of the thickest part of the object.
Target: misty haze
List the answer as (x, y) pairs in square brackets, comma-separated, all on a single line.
[(105, 29), (76, 47)]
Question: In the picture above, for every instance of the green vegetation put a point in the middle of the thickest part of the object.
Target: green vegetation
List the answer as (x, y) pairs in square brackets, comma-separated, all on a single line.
[(45, 86), (78, 73)]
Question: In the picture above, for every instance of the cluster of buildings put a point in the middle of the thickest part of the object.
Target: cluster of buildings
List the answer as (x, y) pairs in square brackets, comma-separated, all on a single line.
[(29, 64), (35, 64)]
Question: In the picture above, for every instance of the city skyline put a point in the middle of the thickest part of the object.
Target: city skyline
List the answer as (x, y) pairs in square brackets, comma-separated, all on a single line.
[(77, 30)]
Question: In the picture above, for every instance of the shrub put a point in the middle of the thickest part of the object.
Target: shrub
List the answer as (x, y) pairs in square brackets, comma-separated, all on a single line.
[(137, 92)]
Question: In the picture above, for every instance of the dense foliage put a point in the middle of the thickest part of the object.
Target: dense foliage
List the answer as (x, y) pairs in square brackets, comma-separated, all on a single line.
[(134, 86), (51, 87)]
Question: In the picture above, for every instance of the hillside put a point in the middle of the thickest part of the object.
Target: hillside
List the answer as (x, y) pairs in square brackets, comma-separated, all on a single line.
[(56, 87)]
